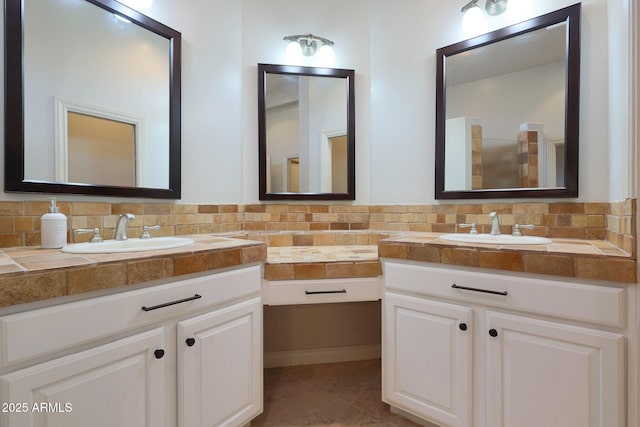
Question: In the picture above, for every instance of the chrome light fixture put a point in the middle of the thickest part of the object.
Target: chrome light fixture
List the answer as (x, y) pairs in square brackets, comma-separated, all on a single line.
[(308, 44), (472, 20), (495, 7)]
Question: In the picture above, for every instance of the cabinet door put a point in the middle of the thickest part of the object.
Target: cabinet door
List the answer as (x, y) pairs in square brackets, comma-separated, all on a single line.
[(542, 373), (117, 384), (220, 366), (427, 358)]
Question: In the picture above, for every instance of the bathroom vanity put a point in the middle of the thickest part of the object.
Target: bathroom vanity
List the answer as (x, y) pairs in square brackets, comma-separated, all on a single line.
[(463, 347), (185, 348), (472, 334), (469, 346)]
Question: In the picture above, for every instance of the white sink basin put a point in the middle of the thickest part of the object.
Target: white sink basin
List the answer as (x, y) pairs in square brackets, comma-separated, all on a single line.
[(129, 245), (501, 239)]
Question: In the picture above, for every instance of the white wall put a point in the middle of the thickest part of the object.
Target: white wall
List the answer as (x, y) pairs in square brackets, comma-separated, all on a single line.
[(391, 45), (533, 95)]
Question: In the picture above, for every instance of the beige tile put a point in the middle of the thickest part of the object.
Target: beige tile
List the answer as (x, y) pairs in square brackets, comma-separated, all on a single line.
[(157, 209), (19, 208), (339, 269), (254, 254), (567, 208), (460, 256), (606, 269), (20, 288), (390, 250), (122, 208), (501, 260), (278, 271), (91, 208), (6, 224), (191, 263), (308, 271), (367, 269), (147, 270), (209, 209), (556, 265), (226, 258), (324, 239), (93, 278), (424, 253)]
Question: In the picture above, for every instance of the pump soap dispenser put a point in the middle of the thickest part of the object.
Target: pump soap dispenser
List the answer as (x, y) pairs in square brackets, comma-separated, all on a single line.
[(53, 227)]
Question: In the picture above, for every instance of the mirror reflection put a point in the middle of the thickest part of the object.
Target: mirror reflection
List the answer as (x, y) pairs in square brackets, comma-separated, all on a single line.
[(116, 66), (514, 134), (306, 133), (84, 64), (508, 111)]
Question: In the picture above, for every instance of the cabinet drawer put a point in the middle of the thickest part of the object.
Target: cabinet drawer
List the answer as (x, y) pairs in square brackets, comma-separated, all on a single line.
[(596, 304), (32, 334), (285, 292)]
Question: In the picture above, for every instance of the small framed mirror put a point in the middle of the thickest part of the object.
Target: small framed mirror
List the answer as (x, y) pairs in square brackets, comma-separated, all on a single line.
[(507, 111), (92, 101), (306, 121)]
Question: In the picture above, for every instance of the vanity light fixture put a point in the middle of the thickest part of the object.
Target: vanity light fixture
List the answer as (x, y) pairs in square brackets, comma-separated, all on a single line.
[(495, 7), (307, 45), (473, 19)]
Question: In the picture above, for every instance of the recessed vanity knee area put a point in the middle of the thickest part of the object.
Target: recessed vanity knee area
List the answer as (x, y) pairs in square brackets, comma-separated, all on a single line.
[(427, 215)]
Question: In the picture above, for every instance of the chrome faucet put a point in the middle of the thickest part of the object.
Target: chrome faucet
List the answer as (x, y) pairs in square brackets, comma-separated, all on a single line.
[(121, 226), (494, 220)]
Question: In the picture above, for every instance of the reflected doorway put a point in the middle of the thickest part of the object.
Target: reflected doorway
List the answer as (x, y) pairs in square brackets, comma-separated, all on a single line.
[(293, 174)]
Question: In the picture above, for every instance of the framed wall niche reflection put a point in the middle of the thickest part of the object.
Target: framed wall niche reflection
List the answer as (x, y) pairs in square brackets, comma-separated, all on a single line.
[(308, 114), (153, 73), (510, 68)]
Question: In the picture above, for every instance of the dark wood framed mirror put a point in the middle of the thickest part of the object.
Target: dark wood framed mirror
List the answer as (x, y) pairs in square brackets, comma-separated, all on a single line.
[(507, 111), (306, 137), (96, 60)]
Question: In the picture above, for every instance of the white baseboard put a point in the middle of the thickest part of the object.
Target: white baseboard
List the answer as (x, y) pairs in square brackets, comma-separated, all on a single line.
[(276, 359)]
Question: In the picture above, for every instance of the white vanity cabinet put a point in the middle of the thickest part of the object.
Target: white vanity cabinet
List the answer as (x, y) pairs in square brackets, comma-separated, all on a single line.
[(120, 383), (186, 353), (427, 358), (221, 388), (527, 353)]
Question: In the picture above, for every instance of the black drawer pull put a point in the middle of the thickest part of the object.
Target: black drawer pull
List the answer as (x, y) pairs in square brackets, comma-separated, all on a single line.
[(463, 326), (190, 341), (486, 291), (341, 291), (493, 333), (159, 354), (167, 304)]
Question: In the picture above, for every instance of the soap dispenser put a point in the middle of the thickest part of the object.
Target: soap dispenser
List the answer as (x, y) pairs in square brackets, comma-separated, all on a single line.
[(53, 227)]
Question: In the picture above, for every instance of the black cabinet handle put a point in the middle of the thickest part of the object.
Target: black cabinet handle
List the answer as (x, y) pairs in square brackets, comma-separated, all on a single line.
[(190, 341), (341, 291), (462, 326), (493, 333), (159, 353), (486, 291), (167, 304)]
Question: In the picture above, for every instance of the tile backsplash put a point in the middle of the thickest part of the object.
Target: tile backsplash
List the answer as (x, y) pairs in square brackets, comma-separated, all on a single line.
[(612, 221)]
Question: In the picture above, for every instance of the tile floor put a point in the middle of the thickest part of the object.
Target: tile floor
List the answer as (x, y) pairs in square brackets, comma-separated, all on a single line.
[(336, 394)]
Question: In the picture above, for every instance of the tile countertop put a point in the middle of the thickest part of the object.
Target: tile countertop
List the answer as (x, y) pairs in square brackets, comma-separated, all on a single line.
[(582, 259), (322, 262), (29, 274)]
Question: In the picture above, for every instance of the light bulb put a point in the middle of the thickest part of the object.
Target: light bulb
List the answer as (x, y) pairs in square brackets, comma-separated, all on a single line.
[(473, 21), (325, 54), (294, 51)]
